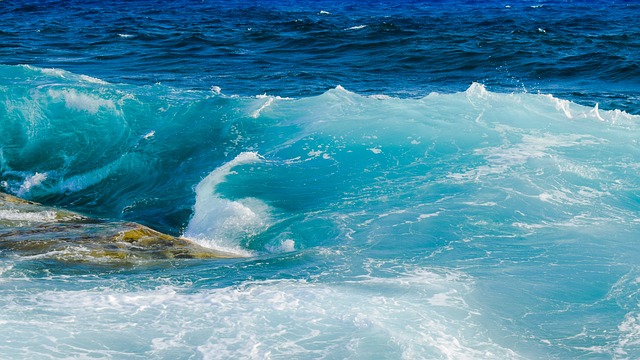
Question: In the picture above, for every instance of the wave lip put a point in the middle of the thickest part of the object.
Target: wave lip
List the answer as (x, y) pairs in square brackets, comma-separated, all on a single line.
[(220, 223)]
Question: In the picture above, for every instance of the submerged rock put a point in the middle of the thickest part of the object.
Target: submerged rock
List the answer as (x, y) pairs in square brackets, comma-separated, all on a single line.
[(29, 229)]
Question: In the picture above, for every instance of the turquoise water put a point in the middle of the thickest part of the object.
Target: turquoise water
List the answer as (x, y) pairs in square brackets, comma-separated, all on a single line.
[(379, 217), (472, 224)]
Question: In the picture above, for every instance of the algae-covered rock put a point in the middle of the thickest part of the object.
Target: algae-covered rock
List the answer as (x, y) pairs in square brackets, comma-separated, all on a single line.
[(29, 229)]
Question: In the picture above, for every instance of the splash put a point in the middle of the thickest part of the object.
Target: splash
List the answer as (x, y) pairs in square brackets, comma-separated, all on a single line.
[(221, 223), (31, 182)]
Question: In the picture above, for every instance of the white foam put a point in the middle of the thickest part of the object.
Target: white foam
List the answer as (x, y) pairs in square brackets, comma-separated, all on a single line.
[(629, 334), (380, 97), (426, 216), (562, 105), (93, 80), (420, 313), (485, 204), (562, 196), (358, 27), (51, 71), (315, 153), (15, 215), (567, 108), (596, 113), (5, 266), (266, 101), (70, 253), (286, 245), (82, 102), (477, 90), (502, 158), (221, 223), (90, 178), (30, 182)]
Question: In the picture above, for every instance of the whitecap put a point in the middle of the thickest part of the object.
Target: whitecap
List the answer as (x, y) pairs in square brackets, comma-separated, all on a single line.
[(92, 80), (477, 90), (220, 223), (286, 245), (30, 182), (256, 113), (81, 101), (265, 102), (358, 27)]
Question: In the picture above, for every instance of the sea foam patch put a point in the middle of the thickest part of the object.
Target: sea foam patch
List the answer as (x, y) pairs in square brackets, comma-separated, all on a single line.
[(261, 319)]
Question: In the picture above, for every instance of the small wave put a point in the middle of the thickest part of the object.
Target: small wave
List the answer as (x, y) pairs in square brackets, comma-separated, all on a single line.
[(358, 27), (219, 223), (256, 113), (265, 102)]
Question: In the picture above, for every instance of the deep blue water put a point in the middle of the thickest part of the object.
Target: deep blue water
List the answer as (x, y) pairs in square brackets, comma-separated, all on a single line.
[(439, 180), (580, 50)]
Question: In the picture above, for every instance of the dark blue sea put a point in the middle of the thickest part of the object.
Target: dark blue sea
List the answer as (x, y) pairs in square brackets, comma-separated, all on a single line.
[(399, 179)]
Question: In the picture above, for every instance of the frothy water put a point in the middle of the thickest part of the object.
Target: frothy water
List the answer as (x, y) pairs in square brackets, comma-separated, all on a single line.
[(220, 223), (418, 313)]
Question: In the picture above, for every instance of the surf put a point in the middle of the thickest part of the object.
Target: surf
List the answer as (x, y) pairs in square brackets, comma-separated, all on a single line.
[(480, 211)]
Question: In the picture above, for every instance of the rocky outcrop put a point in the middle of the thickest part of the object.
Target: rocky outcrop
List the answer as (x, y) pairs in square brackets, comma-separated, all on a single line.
[(32, 230)]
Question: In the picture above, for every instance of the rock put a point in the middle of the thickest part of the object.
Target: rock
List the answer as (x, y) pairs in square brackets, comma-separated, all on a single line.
[(32, 230)]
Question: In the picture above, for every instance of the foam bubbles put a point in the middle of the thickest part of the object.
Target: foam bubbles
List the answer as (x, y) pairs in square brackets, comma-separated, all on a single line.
[(15, 215), (82, 102), (286, 245), (264, 102), (30, 182), (221, 223), (477, 90), (357, 27), (258, 319)]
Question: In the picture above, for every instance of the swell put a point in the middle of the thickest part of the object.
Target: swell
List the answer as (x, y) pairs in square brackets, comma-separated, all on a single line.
[(471, 209), (336, 166)]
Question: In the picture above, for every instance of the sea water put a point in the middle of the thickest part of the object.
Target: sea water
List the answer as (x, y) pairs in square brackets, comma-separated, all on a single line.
[(437, 180)]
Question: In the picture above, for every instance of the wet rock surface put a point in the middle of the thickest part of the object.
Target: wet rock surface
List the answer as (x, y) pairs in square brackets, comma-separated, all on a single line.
[(29, 229)]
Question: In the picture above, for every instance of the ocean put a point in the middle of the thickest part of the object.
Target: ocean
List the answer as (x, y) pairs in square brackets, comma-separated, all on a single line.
[(412, 179)]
